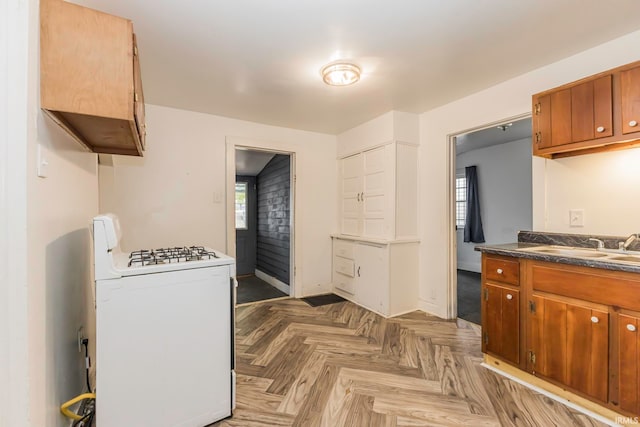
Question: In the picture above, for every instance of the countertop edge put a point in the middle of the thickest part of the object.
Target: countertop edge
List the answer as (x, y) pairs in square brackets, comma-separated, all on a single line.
[(583, 262)]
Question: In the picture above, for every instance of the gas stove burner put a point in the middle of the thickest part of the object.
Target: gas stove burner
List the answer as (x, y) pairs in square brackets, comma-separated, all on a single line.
[(169, 255)]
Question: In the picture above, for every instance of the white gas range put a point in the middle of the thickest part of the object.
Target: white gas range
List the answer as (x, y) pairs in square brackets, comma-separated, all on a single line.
[(164, 333)]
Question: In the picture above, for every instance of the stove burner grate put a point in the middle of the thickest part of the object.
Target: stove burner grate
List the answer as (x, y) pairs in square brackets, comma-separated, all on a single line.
[(169, 255)]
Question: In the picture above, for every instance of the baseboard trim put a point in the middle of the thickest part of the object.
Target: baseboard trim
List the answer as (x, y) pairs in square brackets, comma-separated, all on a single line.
[(579, 403), (431, 308), (281, 286)]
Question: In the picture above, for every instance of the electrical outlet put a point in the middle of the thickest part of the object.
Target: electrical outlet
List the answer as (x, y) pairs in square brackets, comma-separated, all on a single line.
[(576, 218), (80, 338)]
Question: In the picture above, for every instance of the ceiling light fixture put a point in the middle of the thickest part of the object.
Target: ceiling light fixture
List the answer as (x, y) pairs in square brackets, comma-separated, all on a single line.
[(340, 74), (505, 127)]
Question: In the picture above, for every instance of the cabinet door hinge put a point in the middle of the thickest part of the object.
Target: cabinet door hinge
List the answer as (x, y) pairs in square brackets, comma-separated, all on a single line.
[(486, 294), (537, 108), (135, 96), (532, 306), (538, 138), (532, 357), (486, 338)]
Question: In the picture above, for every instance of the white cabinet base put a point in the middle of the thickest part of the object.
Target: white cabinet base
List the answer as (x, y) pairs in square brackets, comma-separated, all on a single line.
[(380, 276)]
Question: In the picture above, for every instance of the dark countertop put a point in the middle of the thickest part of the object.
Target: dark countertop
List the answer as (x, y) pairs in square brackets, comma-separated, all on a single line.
[(516, 250)]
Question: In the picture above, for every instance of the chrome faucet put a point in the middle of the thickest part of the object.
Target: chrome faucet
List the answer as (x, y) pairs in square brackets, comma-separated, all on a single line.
[(599, 243), (625, 245)]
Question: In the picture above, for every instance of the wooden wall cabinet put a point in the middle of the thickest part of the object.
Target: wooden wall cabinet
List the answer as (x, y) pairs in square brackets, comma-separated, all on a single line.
[(378, 192), (382, 277), (90, 80), (598, 113)]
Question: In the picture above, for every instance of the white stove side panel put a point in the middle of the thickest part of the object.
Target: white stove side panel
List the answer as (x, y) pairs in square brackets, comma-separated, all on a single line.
[(164, 349)]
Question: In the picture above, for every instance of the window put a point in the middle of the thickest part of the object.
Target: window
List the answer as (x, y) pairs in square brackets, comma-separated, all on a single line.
[(461, 199), (241, 205)]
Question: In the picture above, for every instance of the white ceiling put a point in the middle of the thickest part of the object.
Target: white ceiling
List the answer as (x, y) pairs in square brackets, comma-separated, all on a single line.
[(259, 60), (493, 136), (250, 163)]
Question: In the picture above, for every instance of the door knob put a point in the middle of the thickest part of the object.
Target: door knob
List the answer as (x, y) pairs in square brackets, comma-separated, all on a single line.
[(594, 319), (509, 296), (499, 271), (631, 327), (633, 123), (600, 129)]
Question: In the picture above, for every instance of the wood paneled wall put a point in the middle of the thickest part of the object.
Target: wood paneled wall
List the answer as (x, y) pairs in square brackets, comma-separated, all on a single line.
[(274, 234)]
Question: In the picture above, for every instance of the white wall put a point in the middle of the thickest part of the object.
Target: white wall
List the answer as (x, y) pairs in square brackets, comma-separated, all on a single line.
[(509, 99), (504, 181), (60, 277), (175, 194)]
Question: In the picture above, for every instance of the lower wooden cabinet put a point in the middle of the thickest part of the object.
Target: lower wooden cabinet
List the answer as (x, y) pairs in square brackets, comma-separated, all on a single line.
[(574, 327), (570, 345), (501, 322), (628, 377)]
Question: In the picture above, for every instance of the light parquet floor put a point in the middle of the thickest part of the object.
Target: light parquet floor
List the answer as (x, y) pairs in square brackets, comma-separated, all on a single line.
[(342, 365)]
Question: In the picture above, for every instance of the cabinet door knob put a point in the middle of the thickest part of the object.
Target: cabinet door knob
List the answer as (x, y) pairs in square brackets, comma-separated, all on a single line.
[(509, 296), (358, 271), (631, 327), (600, 129), (633, 123), (594, 319), (499, 271)]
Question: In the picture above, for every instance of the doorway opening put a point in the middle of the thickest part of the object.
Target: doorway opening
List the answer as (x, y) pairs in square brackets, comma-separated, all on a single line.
[(263, 224), (491, 178)]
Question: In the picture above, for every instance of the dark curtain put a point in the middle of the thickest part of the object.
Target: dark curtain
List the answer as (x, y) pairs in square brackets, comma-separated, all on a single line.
[(473, 223)]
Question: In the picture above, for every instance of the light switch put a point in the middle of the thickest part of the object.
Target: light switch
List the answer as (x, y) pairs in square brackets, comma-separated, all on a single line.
[(576, 218), (43, 163)]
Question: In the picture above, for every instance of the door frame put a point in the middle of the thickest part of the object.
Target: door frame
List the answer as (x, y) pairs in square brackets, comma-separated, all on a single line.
[(17, 104), (452, 256), (275, 147)]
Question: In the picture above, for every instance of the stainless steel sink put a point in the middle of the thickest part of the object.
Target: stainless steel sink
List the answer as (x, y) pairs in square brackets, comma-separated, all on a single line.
[(568, 251), (626, 258), (573, 252)]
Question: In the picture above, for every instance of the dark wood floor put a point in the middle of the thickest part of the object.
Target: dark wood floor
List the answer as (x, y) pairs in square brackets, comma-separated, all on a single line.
[(342, 365), (469, 296), (252, 289)]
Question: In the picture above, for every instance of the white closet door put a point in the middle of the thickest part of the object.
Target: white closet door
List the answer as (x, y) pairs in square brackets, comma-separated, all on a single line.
[(351, 189), (372, 277), (374, 186)]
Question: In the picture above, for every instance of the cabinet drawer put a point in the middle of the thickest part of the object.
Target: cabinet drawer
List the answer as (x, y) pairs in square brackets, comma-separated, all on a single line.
[(502, 270), (598, 286), (344, 283), (343, 249), (344, 266)]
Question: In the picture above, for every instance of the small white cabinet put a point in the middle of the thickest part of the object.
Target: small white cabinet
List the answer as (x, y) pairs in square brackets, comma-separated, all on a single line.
[(382, 277), (378, 192)]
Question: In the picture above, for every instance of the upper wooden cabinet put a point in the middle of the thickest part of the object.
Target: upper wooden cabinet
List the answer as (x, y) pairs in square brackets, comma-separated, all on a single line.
[(90, 81), (598, 113), (630, 100)]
